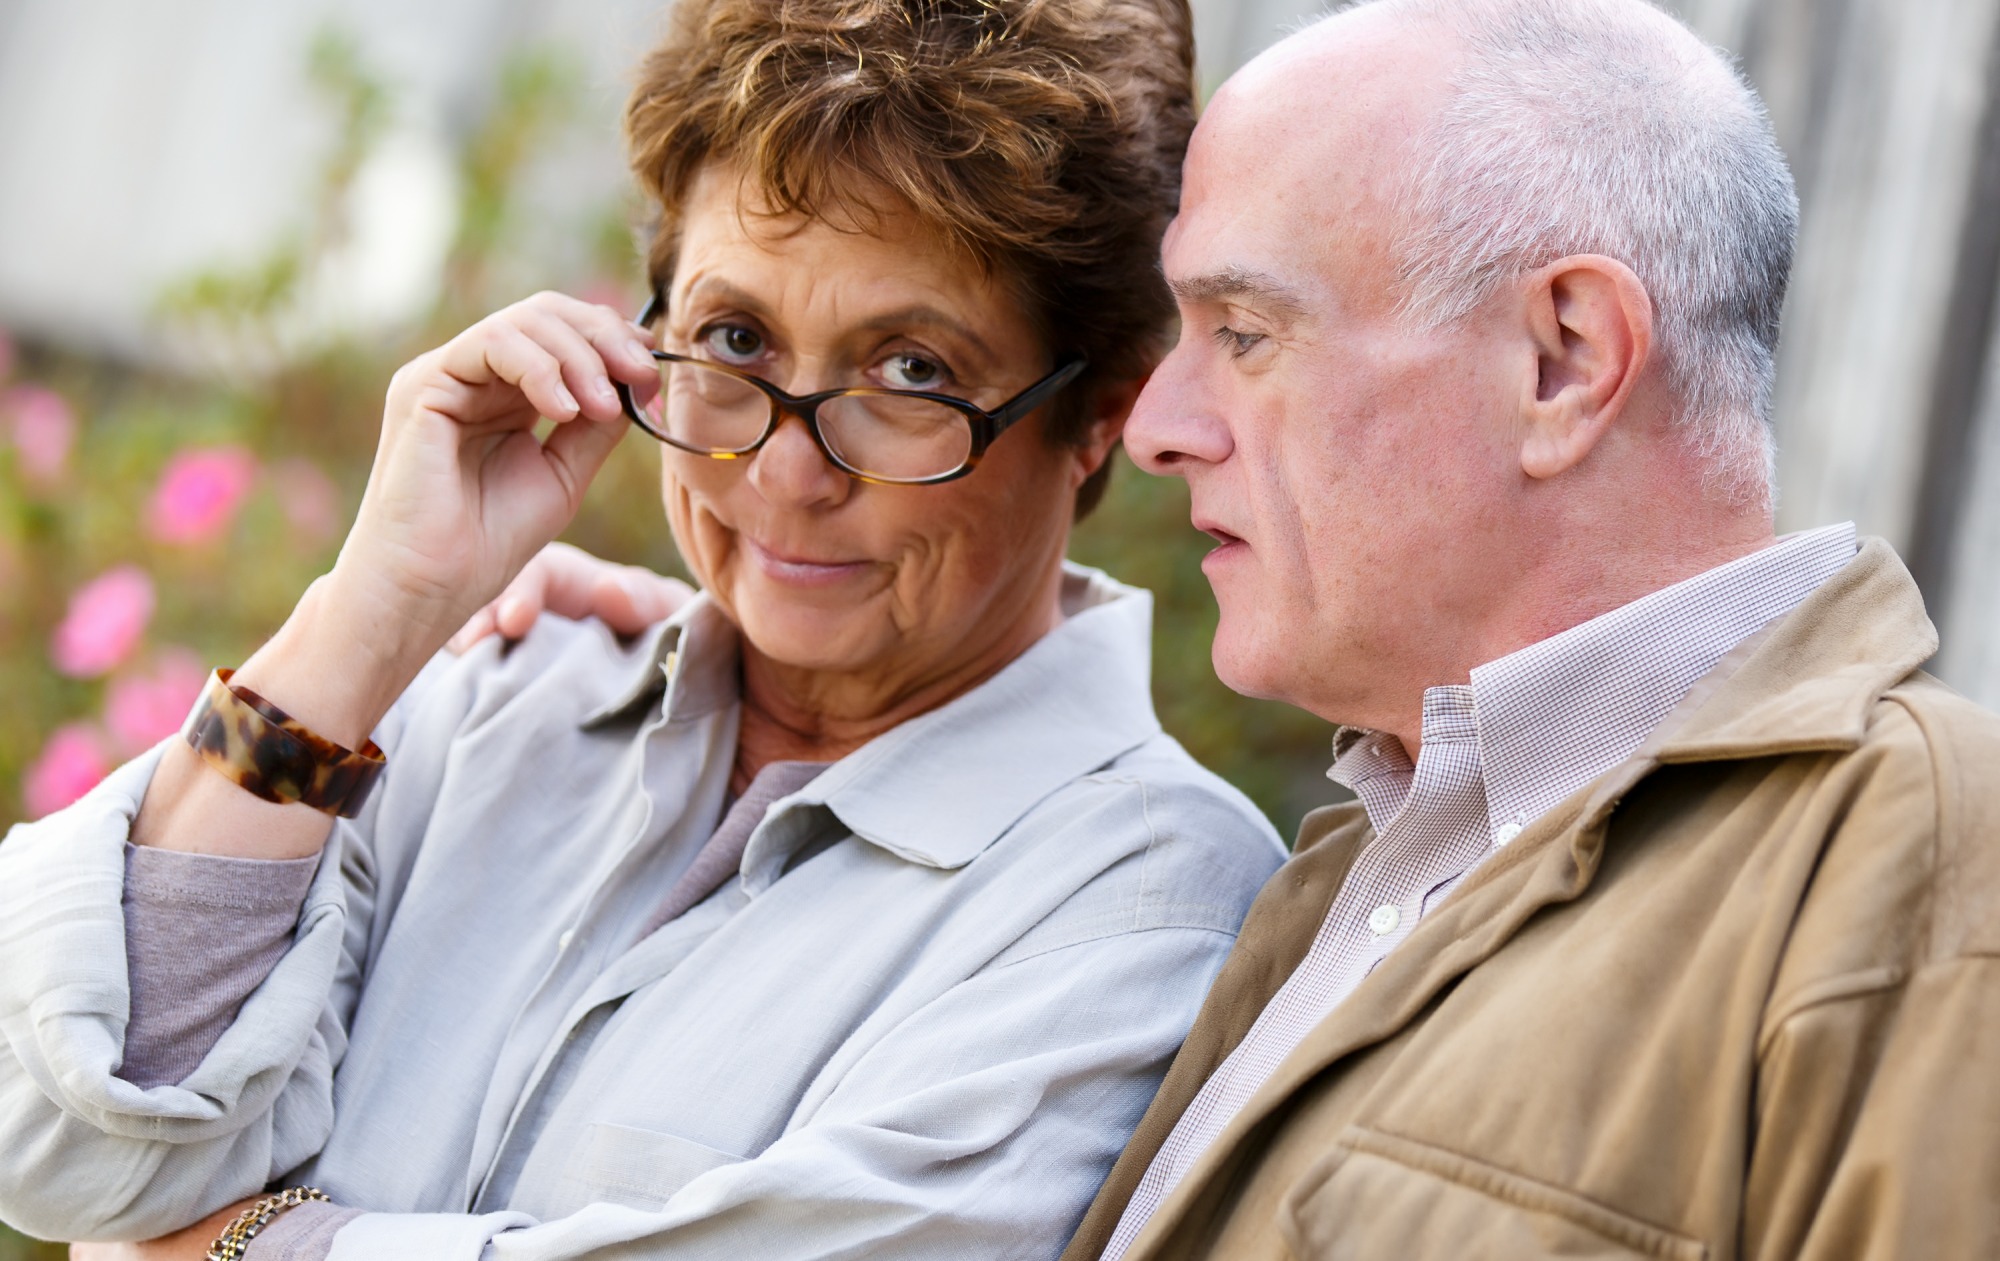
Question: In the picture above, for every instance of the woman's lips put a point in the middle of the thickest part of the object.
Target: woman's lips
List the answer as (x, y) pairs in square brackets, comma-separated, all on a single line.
[(799, 570)]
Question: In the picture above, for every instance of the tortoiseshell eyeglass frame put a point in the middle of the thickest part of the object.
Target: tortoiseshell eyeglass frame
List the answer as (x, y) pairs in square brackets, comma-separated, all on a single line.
[(986, 425)]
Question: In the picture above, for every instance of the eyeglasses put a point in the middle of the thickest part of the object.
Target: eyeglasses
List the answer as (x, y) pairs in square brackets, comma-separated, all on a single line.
[(888, 437)]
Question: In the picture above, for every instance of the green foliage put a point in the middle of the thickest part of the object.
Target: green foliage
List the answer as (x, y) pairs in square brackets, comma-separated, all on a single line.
[(15, 1248)]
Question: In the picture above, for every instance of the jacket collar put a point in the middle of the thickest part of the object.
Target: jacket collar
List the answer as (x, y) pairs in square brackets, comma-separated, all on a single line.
[(1809, 681), (940, 788)]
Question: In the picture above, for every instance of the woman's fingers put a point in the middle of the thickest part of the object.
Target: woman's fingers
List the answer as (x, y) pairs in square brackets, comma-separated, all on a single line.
[(498, 353)]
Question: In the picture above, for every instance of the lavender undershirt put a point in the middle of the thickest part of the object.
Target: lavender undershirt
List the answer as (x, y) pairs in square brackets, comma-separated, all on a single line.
[(202, 932)]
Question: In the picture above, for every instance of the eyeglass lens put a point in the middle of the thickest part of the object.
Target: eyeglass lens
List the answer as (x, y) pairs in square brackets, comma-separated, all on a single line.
[(880, 434)]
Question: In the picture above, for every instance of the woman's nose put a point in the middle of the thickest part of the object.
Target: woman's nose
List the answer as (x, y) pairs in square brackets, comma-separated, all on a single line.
[(790, 471), (1174, 423)]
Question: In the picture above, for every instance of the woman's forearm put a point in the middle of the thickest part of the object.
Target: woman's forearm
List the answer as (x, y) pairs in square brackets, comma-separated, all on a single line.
[(337, 665)]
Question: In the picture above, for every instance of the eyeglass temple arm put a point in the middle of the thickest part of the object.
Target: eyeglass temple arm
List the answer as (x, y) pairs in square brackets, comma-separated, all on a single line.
[(1037, 394)]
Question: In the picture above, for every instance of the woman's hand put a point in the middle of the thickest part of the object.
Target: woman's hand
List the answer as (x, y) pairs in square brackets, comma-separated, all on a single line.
[(462, 494), (183, 1245), (570, 582)]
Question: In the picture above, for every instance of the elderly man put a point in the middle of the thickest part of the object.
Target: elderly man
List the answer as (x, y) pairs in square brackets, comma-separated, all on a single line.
[(1668, 921)]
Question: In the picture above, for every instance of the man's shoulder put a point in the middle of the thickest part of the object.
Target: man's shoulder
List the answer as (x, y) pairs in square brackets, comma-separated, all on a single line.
[(1908, 872), (1955, 742)]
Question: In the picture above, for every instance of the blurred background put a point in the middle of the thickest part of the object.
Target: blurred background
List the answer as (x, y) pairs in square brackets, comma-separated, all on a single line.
[(223, 223)]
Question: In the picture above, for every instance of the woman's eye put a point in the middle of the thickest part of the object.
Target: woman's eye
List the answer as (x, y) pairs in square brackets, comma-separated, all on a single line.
[(913, 372), (733, 342)]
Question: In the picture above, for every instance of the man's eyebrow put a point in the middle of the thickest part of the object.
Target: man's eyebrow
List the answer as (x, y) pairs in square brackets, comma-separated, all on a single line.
[(1237, 284)]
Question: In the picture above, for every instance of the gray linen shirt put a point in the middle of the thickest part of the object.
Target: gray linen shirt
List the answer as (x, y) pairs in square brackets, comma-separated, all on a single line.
[(928, 1036)]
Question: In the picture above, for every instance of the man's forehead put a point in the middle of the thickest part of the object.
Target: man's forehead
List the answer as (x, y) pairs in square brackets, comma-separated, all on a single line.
[(1295, 168)]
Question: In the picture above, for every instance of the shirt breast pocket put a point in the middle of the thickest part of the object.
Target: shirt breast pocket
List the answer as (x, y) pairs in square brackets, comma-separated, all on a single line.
[(622, 1164), (1378, 1195)]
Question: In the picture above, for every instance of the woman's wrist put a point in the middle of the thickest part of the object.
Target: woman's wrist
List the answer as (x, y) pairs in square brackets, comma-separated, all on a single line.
[(341, 660)]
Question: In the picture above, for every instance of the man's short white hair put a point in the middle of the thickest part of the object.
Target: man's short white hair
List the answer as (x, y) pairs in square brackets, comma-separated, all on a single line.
[(1608, 127)]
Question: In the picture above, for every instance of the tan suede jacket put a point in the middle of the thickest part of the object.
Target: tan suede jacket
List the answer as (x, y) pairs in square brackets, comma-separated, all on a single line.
[(1740, 997)]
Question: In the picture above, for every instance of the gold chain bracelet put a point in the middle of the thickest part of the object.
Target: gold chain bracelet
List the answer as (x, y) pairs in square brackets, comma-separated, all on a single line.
[(235, 1238)]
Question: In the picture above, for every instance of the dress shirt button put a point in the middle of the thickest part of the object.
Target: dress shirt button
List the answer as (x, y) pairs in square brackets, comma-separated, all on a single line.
[(1507, 832), (1383, 920), (568, 936)]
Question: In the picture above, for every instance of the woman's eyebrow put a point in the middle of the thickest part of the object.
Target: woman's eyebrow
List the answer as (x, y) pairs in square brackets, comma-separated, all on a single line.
[(715, 289), (921, 316)]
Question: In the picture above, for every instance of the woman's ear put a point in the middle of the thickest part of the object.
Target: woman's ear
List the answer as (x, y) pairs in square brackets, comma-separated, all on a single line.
[(1591, 323), (1110, 405)]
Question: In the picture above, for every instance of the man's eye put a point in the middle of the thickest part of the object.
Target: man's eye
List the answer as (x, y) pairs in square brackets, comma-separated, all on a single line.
[(1237, 344), (732, 342), (913, 372)]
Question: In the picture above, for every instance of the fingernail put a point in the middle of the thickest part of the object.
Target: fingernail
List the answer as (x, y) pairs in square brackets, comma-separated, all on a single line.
[(564, 397), (602, 388), (639, 355)]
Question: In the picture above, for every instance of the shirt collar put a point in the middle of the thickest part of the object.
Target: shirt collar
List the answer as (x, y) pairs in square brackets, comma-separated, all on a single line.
[(691, 659), (1555, 715), (940, 788)]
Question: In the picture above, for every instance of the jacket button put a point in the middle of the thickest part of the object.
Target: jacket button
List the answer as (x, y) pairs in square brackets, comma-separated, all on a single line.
[(1383, 920)]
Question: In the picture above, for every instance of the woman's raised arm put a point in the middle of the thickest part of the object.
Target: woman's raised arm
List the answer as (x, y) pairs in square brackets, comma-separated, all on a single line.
[(461, 496)]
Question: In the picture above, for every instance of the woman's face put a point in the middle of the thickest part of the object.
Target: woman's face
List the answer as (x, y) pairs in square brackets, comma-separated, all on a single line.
[(899, 585)]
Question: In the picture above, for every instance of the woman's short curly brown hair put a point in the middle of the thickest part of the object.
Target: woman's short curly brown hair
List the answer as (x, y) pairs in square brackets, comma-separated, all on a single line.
[(1043, 137)]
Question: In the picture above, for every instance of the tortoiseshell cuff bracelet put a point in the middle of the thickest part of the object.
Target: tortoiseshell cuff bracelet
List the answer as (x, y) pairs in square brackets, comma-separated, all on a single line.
[(266, 752)]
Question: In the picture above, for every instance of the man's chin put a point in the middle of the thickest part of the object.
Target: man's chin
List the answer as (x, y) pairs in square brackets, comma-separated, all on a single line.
[(1244, 666)]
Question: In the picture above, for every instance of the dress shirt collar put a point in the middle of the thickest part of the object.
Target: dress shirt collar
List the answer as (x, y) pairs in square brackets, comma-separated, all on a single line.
[(940, 788), (1555, 715)]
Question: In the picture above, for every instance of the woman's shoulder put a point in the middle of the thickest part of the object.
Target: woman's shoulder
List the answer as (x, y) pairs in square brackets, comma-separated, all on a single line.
[(1183, 845), (562, 674)]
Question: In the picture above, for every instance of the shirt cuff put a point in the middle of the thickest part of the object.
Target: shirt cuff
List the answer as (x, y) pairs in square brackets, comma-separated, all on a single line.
[(304, 1233), (202, 932)]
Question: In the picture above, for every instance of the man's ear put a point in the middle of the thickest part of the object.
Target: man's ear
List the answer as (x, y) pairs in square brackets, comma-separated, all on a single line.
[(1591, 323), (1110, 406)]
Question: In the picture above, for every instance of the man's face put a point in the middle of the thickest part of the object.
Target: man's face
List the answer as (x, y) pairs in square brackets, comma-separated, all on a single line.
[(1344, 463)]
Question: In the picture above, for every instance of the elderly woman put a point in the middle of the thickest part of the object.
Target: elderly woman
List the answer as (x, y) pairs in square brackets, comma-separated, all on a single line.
[(855, 911)]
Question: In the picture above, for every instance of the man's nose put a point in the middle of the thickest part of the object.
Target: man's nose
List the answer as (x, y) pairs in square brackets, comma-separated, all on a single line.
[(1174, 423)]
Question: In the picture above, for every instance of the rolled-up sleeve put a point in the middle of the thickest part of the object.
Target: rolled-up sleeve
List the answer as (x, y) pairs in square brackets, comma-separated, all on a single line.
[(87, 1154)]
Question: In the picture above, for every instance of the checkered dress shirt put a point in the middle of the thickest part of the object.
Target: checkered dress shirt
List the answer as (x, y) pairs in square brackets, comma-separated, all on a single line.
[(1530, 729)]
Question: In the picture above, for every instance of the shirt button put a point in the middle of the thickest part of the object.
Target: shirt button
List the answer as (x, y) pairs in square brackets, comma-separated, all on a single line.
[(1507, 832), (1383, 920), (568, 936)]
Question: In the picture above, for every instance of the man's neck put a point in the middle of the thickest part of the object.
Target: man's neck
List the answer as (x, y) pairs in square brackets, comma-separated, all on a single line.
[(1573, 586)]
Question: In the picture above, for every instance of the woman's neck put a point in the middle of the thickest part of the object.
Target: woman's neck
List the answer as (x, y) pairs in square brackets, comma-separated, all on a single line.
[(791, 714)]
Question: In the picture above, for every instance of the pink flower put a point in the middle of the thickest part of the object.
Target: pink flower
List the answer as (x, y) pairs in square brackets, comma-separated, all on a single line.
[(310, 499), (71, 764), (44, 430), (104, 623), (199, 494), (140, 710)]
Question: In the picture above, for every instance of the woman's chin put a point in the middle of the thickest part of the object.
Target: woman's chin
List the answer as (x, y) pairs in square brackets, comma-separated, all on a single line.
[(804, 638)]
